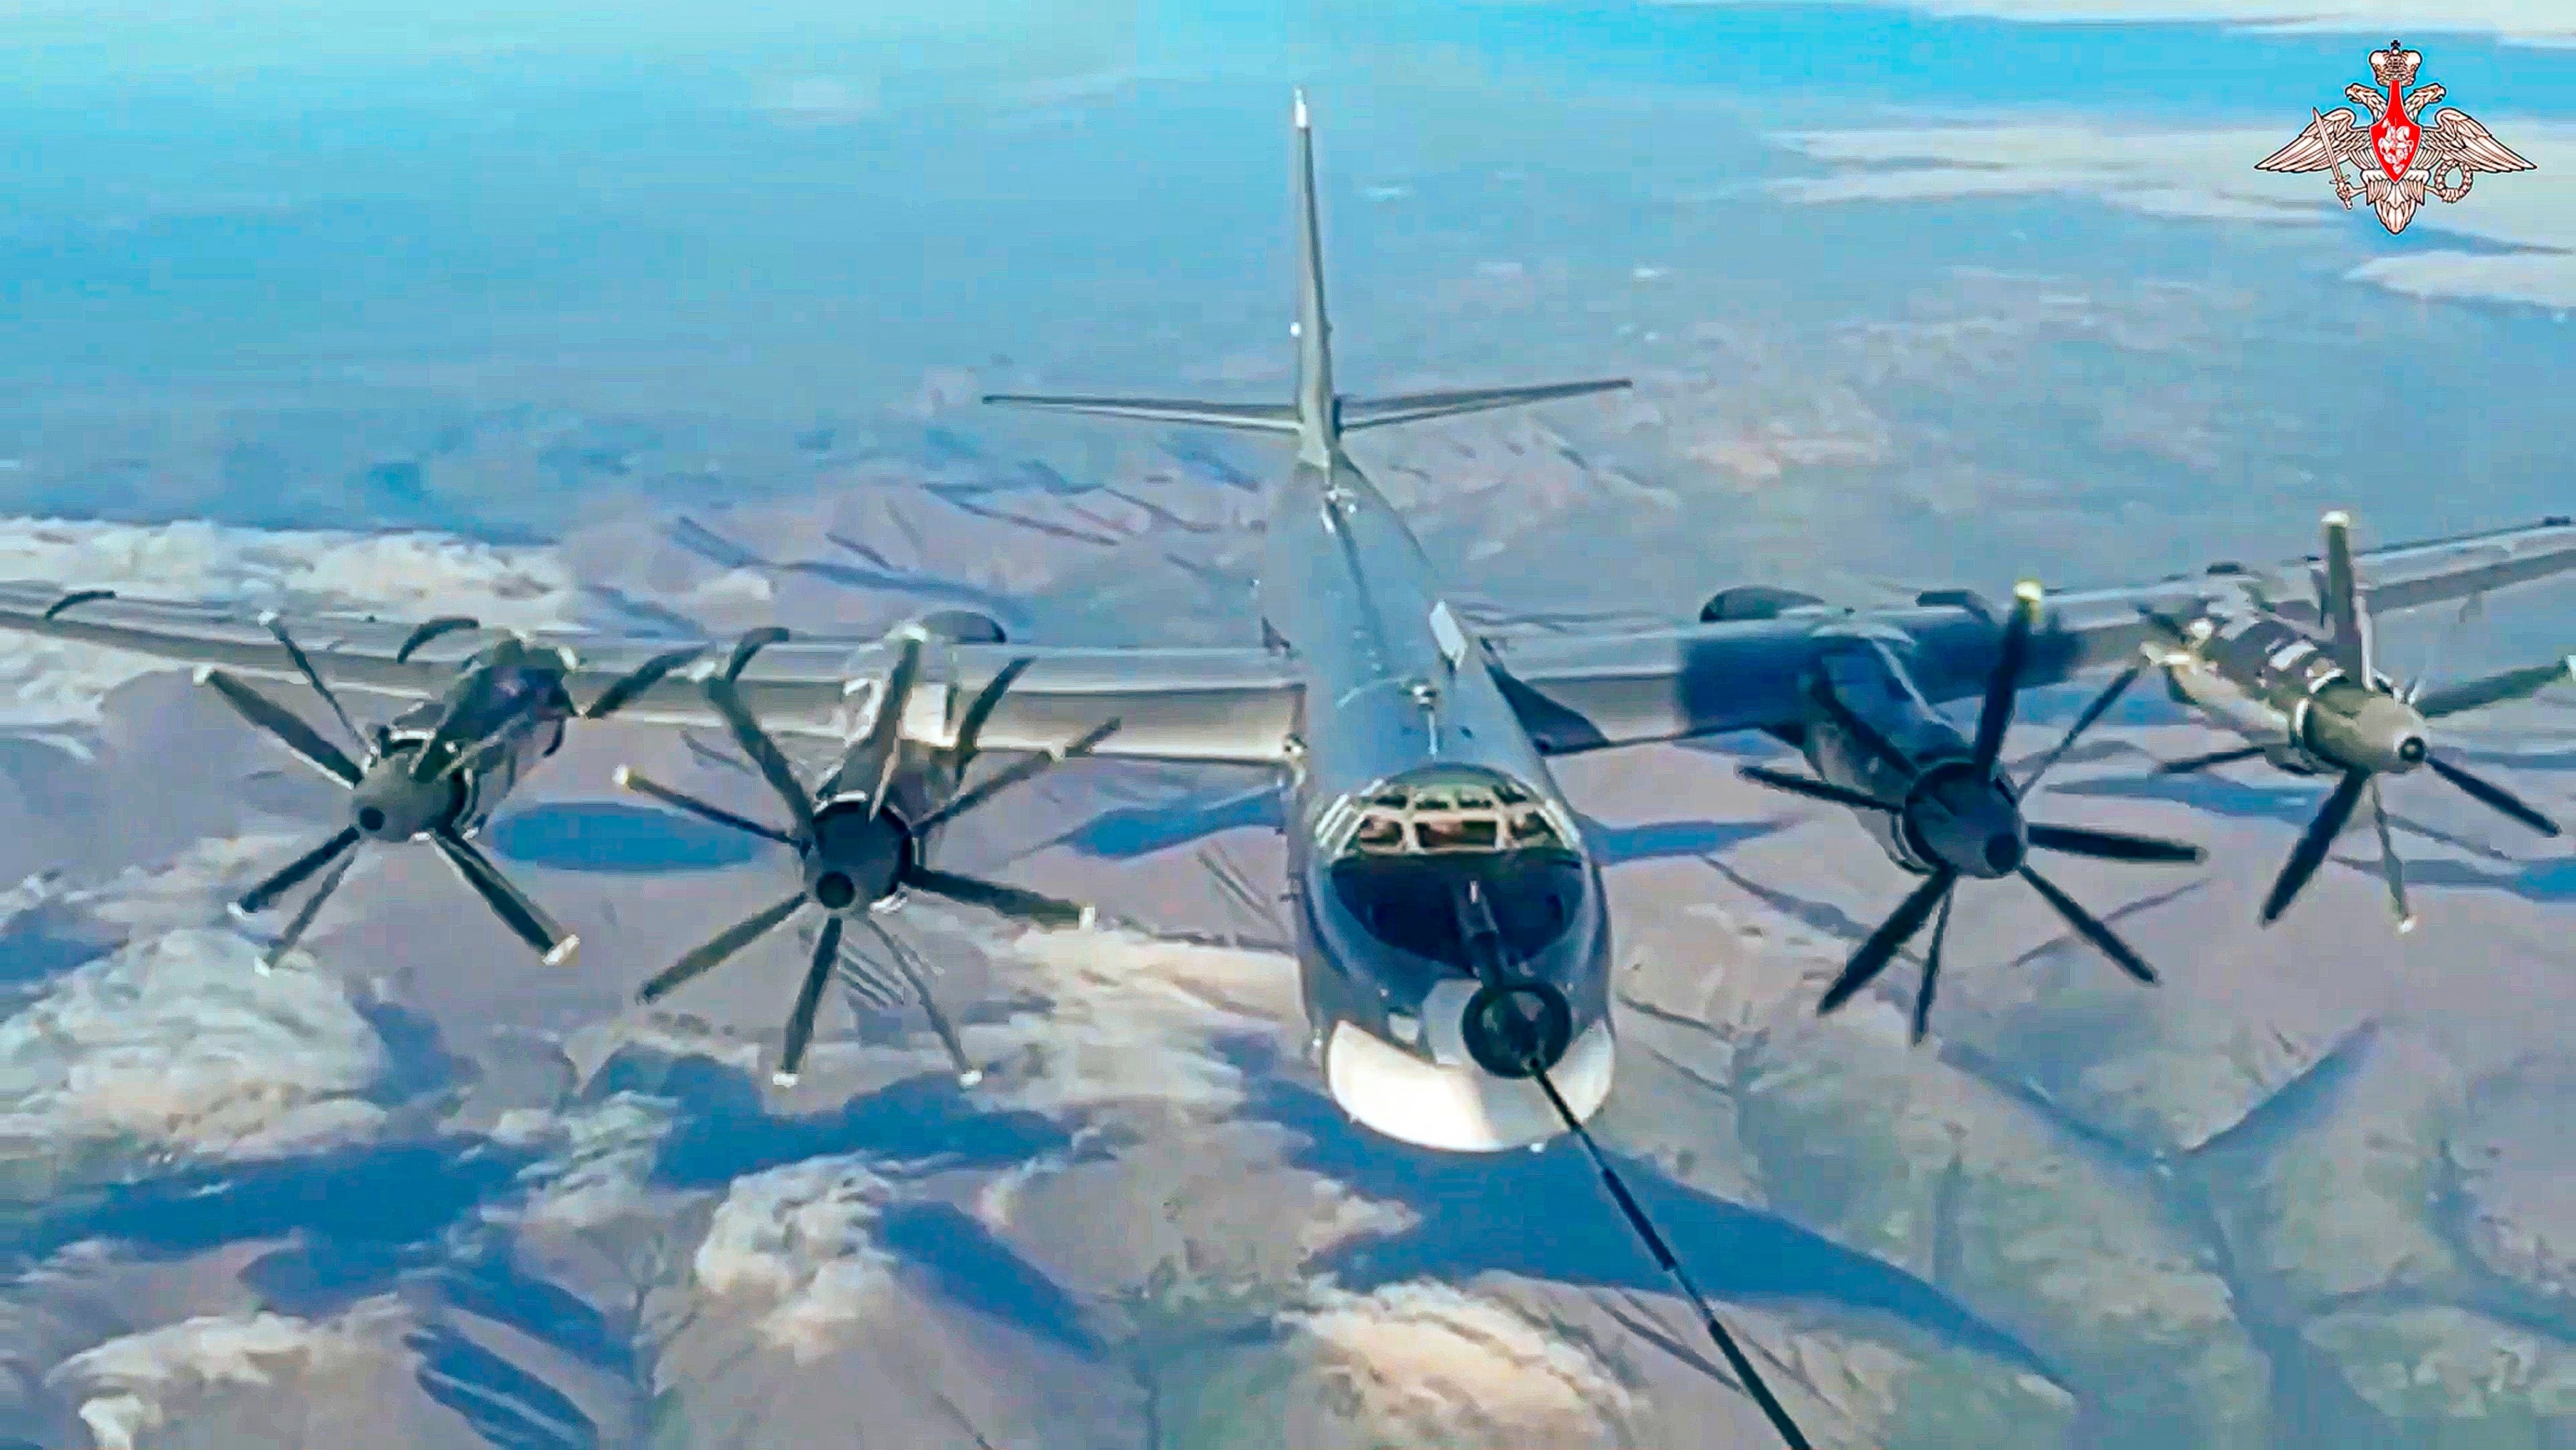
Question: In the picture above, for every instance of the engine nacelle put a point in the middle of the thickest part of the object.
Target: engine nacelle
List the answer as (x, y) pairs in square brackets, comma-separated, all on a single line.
[(1752, 601), (964, 626)]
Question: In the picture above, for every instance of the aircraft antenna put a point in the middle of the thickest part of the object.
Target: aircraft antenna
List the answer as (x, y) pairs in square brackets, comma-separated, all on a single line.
[(1518, 1022), (1644, 1228)]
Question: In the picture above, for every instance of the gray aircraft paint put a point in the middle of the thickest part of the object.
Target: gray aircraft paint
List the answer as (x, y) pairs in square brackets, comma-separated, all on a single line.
[(1395, 690)]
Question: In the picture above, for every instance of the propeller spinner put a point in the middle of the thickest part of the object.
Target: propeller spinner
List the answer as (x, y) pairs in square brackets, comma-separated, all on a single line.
[(857, 855), (2362, 726), (420, 789), (1962, 817)]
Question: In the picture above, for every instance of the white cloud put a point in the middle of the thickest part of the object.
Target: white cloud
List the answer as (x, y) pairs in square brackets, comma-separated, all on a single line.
[(135, 1383), (1425, 1363), (2209, 175), (180, 1043), (599, 1158), (2528, 22), (412, 575), (1131, 1020), (802, 1239)]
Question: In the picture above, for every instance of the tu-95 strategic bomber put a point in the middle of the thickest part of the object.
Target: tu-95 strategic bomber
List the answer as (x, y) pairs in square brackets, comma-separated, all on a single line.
[(1452, 934)]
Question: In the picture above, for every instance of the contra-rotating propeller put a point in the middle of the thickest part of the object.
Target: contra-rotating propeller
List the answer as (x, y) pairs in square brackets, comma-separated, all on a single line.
[(1962, 817), (858, 854), (2362, 726), (414, 789)]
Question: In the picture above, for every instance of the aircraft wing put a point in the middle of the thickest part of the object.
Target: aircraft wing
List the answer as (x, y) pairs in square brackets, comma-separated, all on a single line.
[(1218, 705), (1579, 692)]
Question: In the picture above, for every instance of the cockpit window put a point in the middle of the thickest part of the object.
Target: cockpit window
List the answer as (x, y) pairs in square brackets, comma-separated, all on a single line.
[(1445, 818)]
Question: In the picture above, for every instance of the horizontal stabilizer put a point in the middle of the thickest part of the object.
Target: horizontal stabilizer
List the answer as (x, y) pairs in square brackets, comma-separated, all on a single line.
[(1253, 417), (1358, 413)]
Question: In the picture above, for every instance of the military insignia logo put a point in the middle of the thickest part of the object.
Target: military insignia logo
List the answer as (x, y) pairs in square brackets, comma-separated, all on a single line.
[(2412, 146)]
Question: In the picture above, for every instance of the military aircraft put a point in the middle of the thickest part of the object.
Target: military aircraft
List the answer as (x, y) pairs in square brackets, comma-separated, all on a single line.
[(1433, 855), (2303, 686), (1452, 933)]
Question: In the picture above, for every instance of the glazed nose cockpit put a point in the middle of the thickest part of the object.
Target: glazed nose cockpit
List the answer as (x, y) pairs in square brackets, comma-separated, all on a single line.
[(1433, 888)]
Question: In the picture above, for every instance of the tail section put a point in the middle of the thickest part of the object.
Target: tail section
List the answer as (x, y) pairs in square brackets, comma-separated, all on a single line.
[(1319, 416)]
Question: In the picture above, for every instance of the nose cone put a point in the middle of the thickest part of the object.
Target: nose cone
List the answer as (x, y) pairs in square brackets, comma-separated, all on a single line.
[(390, 806), (1518, 1029), (1463, 1108), (1969, 826), (855, 859), (2379, 733)]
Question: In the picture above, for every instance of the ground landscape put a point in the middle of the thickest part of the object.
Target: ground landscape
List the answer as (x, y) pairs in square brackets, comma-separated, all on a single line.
[(2311, 1191)]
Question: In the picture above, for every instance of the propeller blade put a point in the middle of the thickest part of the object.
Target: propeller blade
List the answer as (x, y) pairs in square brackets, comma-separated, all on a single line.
[(1011, 901), (313, 677), (627, 779), (883, 744), (2493, 795), (751, 643), (1931, 971), (2091, 929), (1815, 789), (483, 754), (467, 716), (294, 873), (866, 984), (764, 753), (1995, 716), (2391, 865), (304, 915), (1893, 933), (2101, 705), (989, 698), (525, 919), (2494, 689), (2191, 763), (623, 690), (2339, 599), (916, 972), (722, 945), (1822, 693), (809, 1001), (2311, 850), (2470, 608), (290, 731), (2113, 845), (1025, 768)]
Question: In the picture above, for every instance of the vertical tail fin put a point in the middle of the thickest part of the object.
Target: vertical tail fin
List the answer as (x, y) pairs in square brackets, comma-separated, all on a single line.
[(1319, 424), (1319, 416)]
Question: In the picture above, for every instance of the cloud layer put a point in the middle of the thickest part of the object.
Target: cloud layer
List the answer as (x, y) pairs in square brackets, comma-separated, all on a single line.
[(416, 575), (801, 1239), (179, 1043), (2209, 175)]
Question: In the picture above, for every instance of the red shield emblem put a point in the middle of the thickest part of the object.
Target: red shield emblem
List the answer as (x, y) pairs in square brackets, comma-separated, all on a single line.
[(2393, 140)]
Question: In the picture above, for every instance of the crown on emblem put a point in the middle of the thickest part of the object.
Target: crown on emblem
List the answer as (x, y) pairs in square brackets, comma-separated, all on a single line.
[(2396, 66)]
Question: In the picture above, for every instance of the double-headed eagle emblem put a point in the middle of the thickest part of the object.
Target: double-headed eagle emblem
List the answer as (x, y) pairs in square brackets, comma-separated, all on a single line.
[(2400, 158)]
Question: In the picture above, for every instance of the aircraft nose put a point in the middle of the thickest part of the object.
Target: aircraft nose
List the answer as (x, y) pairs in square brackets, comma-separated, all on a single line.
[(1518, 1029), (1972, 829), (2003, 851), (2411, 750)]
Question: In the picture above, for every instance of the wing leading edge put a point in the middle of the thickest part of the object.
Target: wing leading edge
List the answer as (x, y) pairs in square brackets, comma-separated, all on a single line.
[(1217, 705), (1580, 692), (1576, 692)]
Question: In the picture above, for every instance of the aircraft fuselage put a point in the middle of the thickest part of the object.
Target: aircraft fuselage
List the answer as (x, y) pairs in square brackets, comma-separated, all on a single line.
[(1393, 854)]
